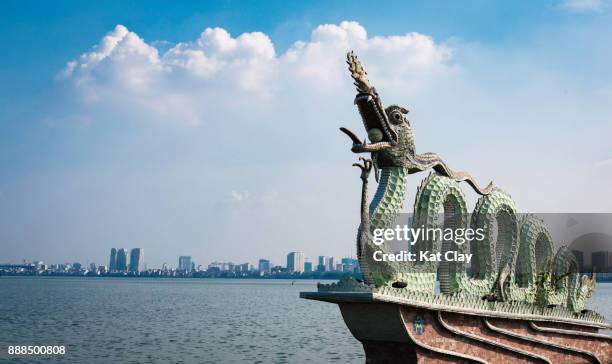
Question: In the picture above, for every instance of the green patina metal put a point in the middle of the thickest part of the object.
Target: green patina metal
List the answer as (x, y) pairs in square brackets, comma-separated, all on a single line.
[(514, 268)]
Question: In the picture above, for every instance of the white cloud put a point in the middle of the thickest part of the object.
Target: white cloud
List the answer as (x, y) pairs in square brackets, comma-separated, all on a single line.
[(410, 59), (121, 55), (192, 78), (246, 61), (605, 164), (239, 196), (583, 6)]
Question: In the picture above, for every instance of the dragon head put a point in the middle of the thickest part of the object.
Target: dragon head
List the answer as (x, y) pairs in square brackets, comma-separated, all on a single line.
[(388, 129)]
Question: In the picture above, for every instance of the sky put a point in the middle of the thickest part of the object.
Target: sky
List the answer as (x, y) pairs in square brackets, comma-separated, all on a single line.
[(210, 129)]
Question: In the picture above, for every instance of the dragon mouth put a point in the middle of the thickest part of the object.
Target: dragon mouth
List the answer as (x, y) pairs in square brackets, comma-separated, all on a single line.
[(375, 119)]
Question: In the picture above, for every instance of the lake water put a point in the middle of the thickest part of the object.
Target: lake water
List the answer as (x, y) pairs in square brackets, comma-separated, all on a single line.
[(105, 320)]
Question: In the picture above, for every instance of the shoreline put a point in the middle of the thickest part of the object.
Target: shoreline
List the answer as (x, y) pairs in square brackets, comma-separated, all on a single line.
[(323, 277)]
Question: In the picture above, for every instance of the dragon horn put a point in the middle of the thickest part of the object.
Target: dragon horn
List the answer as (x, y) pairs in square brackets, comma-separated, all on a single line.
[(358, 73)]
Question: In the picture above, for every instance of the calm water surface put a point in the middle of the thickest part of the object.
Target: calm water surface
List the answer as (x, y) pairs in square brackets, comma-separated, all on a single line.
[(104, 320)]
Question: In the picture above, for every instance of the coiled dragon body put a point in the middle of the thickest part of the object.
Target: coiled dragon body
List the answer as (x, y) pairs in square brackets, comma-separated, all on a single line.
[(505, 268)]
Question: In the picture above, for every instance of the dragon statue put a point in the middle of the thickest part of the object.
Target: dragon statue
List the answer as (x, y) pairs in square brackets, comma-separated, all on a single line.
[(515, 261)]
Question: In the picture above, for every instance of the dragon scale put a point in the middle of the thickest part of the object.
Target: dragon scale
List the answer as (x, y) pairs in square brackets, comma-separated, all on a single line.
[(384, 208)]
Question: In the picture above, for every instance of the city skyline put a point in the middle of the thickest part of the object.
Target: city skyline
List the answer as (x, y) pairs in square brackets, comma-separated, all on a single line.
[(254, 262), (297, 266), (296, 262), (601, 262), (118, 266)]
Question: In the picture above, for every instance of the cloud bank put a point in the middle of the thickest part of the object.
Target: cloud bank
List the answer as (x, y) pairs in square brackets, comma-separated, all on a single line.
[(184, 83), (583, 6)]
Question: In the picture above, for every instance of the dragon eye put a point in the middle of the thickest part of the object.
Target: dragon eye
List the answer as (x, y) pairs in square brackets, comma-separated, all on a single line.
[(396, 117)]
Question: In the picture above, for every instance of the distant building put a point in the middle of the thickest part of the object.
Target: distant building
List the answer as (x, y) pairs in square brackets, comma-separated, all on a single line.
[(136, 260), (76, 266), (121, 260), (241, 268), (330, 264), (348, 261), (213, 271), (350, 265), (264, 266), (579, 259), (339, 267), (308, 267), (222, 266), (602, 261), (184, 263), (92, 267), (321, 267), (295, 262), (113, 260)]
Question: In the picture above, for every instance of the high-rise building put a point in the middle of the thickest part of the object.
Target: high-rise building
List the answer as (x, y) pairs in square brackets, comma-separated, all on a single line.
[(222, 266), (330, 264), (349, 261), (113, 260), (295, 262), (121, 260), (307, 267), (264, 266), (322, 264), (242, 268), (136, 260), (350, 265), (602, 261), (184, 263)]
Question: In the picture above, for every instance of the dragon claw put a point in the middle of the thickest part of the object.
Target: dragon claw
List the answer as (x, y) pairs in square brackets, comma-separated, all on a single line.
[(365, 166)]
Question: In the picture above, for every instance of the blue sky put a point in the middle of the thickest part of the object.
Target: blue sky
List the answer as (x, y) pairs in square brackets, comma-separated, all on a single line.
[(225, 147), (44, 35)]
